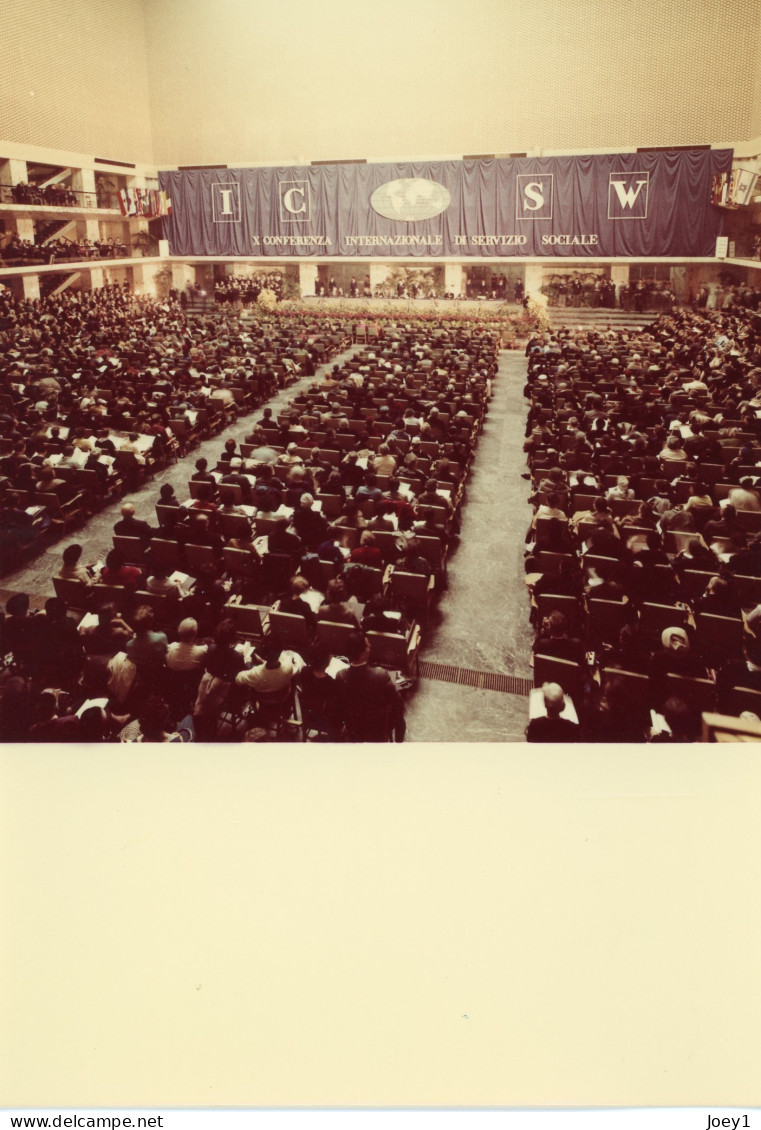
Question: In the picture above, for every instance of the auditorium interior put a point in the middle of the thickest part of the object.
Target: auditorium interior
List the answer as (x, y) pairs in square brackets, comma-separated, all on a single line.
[(227, 222), (380, 554)]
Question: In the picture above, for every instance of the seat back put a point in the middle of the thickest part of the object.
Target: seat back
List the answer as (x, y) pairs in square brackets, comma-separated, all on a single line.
[(131, 549), (197, 557), (569, 675), (75, 594), (108, 594), (570, 606), (250, 619), (233, 525), (413, 589), (165, 553), (333, 636), (744, 698), (718, 638), (655, 618), (606, 619), (388, 650), (239, 562), (288, 630)]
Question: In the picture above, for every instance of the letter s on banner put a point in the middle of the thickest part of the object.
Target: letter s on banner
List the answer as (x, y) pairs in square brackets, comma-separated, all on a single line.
[(534, 194)]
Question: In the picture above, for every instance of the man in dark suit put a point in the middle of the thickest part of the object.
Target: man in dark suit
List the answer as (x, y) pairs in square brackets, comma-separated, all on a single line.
[(369, 705), (131, 527)]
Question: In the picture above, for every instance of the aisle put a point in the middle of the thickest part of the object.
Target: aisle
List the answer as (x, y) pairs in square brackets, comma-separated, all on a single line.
[(36, 578), (481, 623)]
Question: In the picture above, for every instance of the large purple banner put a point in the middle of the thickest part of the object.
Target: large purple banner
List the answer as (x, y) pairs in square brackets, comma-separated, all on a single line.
[(617, 204)]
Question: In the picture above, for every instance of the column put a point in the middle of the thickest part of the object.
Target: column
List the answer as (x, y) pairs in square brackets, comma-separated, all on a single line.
[(11, 172), (619, 274), (83, 180), (307, 279), (31, 287), (24, 228), (453, 278), (92, 279), (144, 278), (182, 275), (534, 278), (378, 274)]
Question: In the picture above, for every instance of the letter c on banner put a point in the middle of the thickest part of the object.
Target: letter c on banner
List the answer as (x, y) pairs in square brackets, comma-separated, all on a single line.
[(533, 191), (288, 200)]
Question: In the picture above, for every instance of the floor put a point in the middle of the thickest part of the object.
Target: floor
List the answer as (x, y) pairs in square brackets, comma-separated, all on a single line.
[(481, 622)]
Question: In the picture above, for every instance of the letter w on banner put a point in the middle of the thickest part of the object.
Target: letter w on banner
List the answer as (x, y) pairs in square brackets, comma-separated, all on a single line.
[(628, 196)]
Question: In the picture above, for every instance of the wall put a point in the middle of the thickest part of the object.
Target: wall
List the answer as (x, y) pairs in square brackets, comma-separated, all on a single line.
[(75, 77), (236, 82)]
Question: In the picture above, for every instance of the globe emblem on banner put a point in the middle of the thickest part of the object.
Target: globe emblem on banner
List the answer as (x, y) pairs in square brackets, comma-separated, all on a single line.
[(410, 198)]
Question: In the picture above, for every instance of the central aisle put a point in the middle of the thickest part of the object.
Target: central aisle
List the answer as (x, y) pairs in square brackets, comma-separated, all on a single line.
[(481, 622)]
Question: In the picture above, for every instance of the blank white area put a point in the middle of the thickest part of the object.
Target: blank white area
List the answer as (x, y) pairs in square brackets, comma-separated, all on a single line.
[(378, 926)]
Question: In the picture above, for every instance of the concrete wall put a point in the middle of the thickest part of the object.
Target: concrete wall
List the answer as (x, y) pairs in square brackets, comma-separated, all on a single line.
[(75, 77), (236, 81)]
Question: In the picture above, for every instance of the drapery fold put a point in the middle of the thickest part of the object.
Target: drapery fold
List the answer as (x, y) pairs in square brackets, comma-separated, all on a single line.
[(656, 203)]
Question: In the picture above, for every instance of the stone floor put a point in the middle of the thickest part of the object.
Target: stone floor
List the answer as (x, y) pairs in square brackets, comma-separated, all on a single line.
[(481, 622)]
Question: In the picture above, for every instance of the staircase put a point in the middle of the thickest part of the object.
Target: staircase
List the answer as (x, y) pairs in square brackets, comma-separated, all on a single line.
[(597, 318), (198, 306), (47, 230)]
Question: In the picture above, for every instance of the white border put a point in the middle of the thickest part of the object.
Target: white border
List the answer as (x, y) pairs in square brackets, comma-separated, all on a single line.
[(298, 218), (625, 172), (535, 176), (234, 184)]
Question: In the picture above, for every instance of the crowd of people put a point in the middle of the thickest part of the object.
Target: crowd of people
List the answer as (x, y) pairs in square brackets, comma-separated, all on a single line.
[(100, 386), (22, 252), (362, 472), (56, 195), (644, 554), (240, 290)]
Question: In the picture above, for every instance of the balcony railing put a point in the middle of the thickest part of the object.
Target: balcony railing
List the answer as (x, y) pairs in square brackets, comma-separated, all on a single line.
[(56, 196)]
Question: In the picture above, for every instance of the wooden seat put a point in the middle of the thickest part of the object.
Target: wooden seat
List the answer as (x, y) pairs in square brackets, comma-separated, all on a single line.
[(75, 594), (606, 619), (568, 674), (234, 525), (198, 557), (333, 636), (396, 652), (571, 607), (414, 590), (131, 549), (549, 562), (744, 698), (288, 630), (239, 562), (655, 618), (250, 619), (699, 694), (637, 687), (165, 554), (109, 594), (748, 590), (718, 637), (693, 582)]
